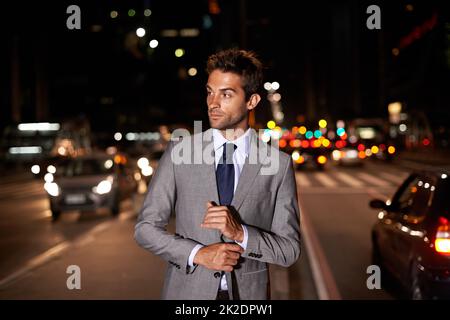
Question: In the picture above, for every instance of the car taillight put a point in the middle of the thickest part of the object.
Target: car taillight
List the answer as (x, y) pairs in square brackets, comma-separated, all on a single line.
[(442, 242), (322, 159)]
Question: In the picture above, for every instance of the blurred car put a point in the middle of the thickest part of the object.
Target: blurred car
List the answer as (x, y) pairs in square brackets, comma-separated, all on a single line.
[(148, 163), (91, 182), (314, 158), (411, 239), (49, 165), (348, 156)]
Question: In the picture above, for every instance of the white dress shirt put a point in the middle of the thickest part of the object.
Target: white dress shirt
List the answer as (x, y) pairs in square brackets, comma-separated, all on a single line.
[(240, 154)]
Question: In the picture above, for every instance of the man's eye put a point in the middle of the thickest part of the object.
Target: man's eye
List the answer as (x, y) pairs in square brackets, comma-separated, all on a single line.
[(227, 95)]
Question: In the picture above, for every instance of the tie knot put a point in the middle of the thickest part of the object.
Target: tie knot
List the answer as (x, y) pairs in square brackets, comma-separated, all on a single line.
[(228, 150)]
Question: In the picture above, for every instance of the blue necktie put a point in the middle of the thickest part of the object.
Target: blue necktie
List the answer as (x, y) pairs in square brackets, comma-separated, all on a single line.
[(225, 175)]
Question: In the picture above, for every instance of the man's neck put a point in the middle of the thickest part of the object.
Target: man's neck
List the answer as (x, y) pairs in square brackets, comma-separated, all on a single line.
[(232, 134)]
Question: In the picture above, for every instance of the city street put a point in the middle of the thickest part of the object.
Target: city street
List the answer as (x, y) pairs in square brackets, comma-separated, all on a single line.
[(355, 93), (336, 222)]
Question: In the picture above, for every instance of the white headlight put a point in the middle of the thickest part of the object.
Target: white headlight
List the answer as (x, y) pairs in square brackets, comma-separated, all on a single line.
[(51, 169), (48, 177), (143, 162), (352, 154), (147, 171), (52, 188), (36, 169), (103, 187), (336, 154)]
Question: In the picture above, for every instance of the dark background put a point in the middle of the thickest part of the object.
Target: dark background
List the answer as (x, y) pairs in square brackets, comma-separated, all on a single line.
[(329, 64)]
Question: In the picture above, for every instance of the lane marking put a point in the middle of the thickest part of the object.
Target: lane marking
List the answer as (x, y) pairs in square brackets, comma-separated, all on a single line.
[(22, 188), (373, 180), (325, 179), (302, 179), (53, 252), (34, 263), (349, 179), (323, 278)]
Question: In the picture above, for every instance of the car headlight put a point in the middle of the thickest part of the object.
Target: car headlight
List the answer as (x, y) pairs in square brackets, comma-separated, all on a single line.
[(52, 188), (36, 169), (147, 171), (103, 187), (49, 177), (143, 162), (352, 154)]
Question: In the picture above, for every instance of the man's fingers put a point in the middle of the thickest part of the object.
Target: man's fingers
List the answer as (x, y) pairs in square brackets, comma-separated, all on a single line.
[(215, 214), (217, 208), (212, 225), (234, 247), (215, 220), (230, 262), (233, 255)]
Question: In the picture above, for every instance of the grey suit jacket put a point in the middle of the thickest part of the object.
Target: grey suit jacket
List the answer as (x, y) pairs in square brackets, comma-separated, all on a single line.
[(266, 203)]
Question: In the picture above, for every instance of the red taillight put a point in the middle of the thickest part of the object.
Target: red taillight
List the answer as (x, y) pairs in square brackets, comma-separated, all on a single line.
[(442, 241)]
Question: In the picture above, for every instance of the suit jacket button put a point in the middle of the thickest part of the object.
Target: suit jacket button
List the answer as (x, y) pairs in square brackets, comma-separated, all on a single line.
[(216, 274)]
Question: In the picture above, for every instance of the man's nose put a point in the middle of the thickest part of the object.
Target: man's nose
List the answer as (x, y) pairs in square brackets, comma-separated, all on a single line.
[(214, 102)]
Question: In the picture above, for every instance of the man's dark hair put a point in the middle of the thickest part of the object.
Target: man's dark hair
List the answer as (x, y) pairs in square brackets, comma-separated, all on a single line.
[(241, 62)]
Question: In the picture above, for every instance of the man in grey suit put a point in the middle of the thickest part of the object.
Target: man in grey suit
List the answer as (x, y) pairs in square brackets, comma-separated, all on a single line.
[(234, 197)]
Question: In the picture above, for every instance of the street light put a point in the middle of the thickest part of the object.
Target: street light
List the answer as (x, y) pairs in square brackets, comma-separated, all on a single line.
[(179, 53), (275, 86), (153, 43), (140, 32), (268, 86), (192, 71)]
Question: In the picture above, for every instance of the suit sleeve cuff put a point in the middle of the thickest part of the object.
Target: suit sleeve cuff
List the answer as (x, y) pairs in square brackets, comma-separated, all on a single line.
[(243, 244), (192, 255)]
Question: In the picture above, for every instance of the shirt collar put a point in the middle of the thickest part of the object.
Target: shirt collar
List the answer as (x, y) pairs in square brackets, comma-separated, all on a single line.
[(242, 143)]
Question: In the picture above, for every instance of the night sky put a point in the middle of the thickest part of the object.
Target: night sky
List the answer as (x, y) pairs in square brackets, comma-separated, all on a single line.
[(327, 62)]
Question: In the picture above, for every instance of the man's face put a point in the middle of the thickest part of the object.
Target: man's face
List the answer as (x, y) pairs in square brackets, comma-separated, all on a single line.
[(227, 108)]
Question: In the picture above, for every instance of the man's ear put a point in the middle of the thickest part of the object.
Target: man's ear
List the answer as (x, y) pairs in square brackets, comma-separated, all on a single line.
[(253, 101)]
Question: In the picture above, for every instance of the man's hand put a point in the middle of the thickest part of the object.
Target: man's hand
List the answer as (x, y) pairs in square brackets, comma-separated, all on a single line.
[(221, 218), (219, 256)]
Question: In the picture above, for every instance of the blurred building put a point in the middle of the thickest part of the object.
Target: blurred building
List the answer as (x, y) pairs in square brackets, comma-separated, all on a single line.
[(138, 64)]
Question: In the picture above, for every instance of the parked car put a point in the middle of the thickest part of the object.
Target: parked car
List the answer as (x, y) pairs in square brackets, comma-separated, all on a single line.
[(91, 182), (411, 239)]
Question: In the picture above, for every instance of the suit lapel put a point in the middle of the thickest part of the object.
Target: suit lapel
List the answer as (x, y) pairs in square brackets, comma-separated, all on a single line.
[(249, 172)]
